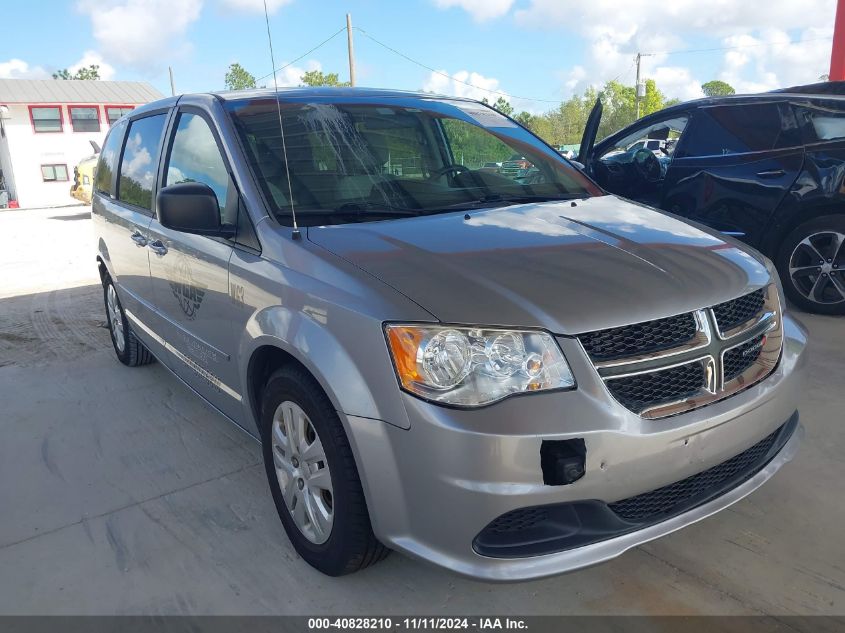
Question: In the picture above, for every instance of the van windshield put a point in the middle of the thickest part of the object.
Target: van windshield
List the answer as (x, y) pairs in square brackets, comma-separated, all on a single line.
[(363, 161)]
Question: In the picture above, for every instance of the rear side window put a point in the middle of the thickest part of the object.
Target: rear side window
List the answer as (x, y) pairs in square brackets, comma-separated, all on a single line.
[(195, 157), (103, 177), (725, 130), (140, 160), (825, 124)]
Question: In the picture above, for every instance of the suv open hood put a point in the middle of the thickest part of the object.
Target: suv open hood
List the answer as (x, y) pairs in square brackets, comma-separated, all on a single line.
[(569, 268)]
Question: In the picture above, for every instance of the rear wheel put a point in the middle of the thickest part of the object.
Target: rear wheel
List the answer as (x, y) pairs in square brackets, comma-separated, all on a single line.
[(129, 350), (313, 477), (811, 263)]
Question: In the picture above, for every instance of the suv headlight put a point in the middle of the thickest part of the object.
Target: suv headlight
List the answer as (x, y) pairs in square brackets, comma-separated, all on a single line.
[(474, 366)]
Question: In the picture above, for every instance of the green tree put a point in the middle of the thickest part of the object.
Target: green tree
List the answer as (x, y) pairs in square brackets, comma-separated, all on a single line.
[(503, 106), (238, 78), (717, 88), (318, 78), (90, 72), (526, 119)]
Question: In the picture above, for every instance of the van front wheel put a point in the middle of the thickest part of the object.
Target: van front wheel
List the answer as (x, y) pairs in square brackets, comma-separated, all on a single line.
[(313, 477)]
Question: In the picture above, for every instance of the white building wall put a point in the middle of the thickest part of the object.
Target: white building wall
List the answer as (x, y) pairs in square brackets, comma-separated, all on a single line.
[(30, 150)]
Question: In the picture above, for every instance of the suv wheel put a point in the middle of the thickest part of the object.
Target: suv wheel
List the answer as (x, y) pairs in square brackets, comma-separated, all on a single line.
[(130, 351), (811, 263), (313, 477)]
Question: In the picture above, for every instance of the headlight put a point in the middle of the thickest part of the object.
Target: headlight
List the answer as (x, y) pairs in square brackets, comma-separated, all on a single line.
[(473, 366)]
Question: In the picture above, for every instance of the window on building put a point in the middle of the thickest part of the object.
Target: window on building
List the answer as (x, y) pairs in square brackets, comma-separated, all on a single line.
[(46, 118), (195, 157), (84, 118), (54, 173), (136, 176), (113, 113), (107, 162)]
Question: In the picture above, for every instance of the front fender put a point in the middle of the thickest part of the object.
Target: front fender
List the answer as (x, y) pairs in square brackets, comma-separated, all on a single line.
[(367, 389)]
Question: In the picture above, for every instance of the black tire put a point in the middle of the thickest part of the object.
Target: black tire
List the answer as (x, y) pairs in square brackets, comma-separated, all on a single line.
[(834, 283), (133, 353), (351, 545)]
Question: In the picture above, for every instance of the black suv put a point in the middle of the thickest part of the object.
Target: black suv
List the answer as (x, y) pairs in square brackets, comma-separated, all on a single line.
[(768, 169)]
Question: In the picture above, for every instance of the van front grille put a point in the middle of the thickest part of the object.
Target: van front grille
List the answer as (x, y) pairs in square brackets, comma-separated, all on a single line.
[(675, 364), (731, 314), (640, 338), (641, 391)]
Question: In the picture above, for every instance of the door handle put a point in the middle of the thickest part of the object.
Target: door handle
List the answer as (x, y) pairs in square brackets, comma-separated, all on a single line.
[(139, 239), (157, 247), (771, 173)]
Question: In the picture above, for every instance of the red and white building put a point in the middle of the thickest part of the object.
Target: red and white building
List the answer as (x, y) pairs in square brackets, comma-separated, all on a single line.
[(46, 128)]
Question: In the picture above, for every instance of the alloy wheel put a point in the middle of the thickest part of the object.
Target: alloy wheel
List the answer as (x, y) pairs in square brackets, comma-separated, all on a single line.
[(817, 267), (115, 319), (303, 472)]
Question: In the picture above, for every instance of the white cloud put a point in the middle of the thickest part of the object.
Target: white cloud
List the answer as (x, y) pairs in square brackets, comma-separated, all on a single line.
[(292, 75), (649, 17), (772, 61), (254, 6), (676, 81), (480, 10), (456, 85), (144, 34), (19, 69), (92, 57), (616, 31)]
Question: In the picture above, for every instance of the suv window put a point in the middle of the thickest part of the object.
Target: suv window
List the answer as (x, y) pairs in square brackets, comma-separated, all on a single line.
[(739, 129), (140, 160), (661, 135), (195, 157), (825, 124), (103, 181)]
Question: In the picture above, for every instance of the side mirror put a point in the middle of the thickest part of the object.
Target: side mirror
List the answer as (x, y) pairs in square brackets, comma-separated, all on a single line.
[(191, 207), (577, 165)]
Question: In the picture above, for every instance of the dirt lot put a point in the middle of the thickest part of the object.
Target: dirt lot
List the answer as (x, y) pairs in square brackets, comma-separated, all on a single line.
[(120, 492)]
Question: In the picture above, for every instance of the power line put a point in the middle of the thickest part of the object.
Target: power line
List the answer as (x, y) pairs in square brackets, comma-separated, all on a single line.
[(731, 48), (306, 54), (447, 75)]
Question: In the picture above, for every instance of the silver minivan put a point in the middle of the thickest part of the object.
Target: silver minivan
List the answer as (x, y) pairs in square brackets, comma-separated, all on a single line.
[(507, 378)]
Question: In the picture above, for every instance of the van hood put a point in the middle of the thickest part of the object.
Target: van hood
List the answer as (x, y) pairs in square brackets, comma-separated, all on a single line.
[(569, 267)]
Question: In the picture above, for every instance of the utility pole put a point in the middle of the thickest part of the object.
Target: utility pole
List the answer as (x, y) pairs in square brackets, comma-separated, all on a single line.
[(351, 49), (172, 85), (639, 89)]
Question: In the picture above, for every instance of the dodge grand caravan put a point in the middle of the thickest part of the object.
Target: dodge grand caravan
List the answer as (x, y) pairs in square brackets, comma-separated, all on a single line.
[(509, 380)]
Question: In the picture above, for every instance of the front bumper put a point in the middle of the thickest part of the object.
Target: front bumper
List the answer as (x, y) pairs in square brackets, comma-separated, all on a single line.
[(433, 488)]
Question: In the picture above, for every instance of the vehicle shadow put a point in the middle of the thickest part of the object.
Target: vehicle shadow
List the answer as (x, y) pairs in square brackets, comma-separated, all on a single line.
[(82, 215)]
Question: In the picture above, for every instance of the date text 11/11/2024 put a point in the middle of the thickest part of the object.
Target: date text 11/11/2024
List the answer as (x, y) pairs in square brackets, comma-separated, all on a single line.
[(418, 623)]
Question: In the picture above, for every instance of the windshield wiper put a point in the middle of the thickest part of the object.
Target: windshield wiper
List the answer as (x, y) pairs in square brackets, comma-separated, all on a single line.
[(498, 200), (371, 208)]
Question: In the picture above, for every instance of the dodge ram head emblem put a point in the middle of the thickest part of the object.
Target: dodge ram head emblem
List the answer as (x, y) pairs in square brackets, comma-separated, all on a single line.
[(188, 292)]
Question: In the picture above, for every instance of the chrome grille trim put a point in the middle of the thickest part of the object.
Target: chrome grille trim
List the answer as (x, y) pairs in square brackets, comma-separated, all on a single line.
[(709, 348)]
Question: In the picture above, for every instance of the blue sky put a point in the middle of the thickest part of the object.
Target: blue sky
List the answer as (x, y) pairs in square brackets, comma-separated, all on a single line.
[(539, 49)]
